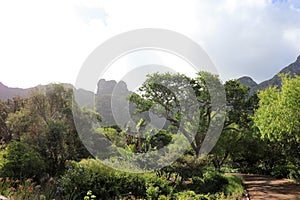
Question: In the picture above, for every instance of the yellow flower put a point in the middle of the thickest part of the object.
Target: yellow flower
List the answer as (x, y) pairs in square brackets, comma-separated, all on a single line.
[(28, 180)]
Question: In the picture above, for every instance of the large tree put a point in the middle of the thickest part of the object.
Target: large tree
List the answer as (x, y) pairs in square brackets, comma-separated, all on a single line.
[(278, 116), (182, 102), (46, 124), (237, 130), (6, 108)]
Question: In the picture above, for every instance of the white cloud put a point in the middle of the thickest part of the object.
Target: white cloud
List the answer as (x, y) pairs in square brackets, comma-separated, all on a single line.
[(45, 41), (233, 5), (292, 36)]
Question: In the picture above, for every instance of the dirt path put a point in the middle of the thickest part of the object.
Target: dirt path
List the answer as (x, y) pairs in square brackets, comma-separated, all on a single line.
[(264, 187)]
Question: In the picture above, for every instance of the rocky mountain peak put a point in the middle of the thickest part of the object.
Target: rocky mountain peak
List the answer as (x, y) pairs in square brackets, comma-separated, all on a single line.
[(292, 69), (248, 81), (298, 59)]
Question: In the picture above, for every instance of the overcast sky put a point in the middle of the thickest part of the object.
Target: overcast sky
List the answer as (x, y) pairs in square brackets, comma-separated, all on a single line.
[(48, 41)]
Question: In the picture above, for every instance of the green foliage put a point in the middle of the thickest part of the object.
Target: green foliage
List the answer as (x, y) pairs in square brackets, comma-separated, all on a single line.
[(38, 135), (108, 183), (235, 186), (212, 182), (6, 109), (185, 167), (181, 100), (238, 132), (278, 112), (160, 139), (278, 121), (191, 195), (152, 192), (92, 175), (45, 123), (21, 162)]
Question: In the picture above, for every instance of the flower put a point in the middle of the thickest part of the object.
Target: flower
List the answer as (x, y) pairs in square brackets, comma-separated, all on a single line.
[(21, 187), (28, 180), (30, 188)]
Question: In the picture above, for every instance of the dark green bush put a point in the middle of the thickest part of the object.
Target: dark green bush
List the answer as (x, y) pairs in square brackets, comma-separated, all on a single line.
[(22, 162), (214, 182), (280, 171), (108, 183)]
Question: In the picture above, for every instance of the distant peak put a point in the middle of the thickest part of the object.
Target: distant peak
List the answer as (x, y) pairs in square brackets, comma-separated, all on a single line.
[(2, 85), (248, 81), (246, 77), (298, 59)]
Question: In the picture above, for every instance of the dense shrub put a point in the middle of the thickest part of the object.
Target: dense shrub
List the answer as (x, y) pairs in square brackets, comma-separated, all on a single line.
[(212, 182), (107, 183), (234, 186), (280, 171), (287, 170), (21, 162)]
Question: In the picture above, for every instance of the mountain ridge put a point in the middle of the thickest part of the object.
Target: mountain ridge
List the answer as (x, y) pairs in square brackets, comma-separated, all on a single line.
[(292, 70), (7, 92)]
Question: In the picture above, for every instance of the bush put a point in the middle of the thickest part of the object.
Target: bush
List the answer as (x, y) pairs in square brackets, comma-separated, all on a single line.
[(217, 184), (108, 183), (295, 174), (22, 162), (234, 186), (92, 175), (280, 171), (212, 182)]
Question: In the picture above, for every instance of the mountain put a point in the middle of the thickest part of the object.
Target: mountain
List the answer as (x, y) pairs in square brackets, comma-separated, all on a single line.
[(291, 69), (8, 93), (111, 101), (108, 88), (248, 81)]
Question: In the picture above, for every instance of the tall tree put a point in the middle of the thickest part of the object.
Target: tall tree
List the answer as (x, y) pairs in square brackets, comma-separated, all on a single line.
[(6, 108), (278, 116), (182, 101), (238, 123), (46, 124)]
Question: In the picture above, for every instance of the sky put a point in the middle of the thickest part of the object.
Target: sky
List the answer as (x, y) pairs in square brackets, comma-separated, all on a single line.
[(48, 41)]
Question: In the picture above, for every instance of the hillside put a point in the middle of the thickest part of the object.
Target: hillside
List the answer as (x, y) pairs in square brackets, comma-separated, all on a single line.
[(292, 69), (8, 93)]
